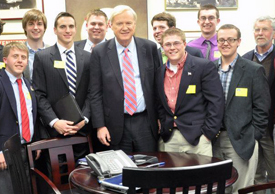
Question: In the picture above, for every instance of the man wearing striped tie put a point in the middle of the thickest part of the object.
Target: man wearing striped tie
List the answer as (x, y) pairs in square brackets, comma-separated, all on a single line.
[(58, 70), (123, 87)]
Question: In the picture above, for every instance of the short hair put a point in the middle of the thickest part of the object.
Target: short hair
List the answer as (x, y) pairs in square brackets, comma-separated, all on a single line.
[(169, 18), (2, 23), (120, 9), (14, 45), (62, 14), (96, 12), (173, 31), (208, 7), (230, 26), (33, 15), (266, 18)]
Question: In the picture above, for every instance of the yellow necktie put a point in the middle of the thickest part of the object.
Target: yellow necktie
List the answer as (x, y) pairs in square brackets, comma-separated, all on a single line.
[(164, 57)]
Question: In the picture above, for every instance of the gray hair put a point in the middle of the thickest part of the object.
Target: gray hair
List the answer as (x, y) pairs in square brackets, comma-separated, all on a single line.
[(266, 18), (120, 9)]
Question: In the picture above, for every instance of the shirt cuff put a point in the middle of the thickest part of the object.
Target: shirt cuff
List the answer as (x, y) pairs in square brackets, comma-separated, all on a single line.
[(86, 120), (53, 122)]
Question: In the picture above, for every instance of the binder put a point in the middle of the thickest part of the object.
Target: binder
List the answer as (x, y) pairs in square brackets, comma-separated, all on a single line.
[(114, 184), (67, 108)]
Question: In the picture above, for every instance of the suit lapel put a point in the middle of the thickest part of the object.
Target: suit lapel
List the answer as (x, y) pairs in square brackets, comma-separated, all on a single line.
[(160, 56), (236, 77), (55, 56), (9, 91), (79, 63), (114, 61), (34, 108), (187, 75)]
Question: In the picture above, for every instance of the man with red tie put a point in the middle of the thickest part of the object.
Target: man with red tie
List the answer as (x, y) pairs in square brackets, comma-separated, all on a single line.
[(17, 105)]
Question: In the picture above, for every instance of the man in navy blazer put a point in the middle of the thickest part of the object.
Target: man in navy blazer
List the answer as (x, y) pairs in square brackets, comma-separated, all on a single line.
[(162, 22), (96, 26), (117, 126), (15, 56), (191, 97), (264, 54)]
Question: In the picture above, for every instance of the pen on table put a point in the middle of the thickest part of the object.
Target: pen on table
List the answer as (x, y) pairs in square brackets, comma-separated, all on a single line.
[(155, 165)]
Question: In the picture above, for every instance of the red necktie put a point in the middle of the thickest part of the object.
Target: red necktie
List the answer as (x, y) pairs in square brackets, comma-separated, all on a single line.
[(129, 84), (24, 113)]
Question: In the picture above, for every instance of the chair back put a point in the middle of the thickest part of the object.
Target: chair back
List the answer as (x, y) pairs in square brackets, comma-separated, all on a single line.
[(59, 147), (14, 160), (260, 187), (179, 178)]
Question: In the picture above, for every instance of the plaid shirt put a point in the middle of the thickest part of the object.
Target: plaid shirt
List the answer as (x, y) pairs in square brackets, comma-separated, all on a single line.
[(225, 76)]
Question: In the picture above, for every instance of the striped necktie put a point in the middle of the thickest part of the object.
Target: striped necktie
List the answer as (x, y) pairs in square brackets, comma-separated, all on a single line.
[(129, 84), (208, 49), (26, 133), (71, 72)]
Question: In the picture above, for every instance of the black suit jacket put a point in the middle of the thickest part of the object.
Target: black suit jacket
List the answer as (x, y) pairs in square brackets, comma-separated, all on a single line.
[(197, 113), (250, 55), (246, 117), (51, 84), (8, 111), (80, 44), (107, 102)]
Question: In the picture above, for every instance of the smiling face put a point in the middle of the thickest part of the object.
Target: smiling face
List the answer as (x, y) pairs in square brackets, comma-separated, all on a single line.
[(96, 27), (35, 30), (263, 33), (16, 62), (228, 50), (174, 48), (158, 28), (124, 26), (208, 21), (65, 31)]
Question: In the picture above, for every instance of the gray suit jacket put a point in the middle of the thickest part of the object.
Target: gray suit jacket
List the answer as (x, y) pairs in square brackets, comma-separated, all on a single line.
[(81, 43), (246, 117), (51, 84)]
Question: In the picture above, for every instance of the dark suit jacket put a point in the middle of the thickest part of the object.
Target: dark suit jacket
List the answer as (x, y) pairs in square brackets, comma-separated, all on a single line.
[(198, 113), (8, 111), (51, 84), (80, 44), (107, 102), (1, 54), (250, 55), (246, 118)]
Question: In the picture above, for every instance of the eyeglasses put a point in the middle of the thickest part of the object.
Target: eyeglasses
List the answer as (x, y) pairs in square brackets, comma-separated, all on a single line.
[(175, 44), (210, 19), (229, 40), (257, 30)]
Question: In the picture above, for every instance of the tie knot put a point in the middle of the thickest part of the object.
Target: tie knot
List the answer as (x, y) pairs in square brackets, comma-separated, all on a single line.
[(19, 81), (67, 52), (126, 50), (207, 42)]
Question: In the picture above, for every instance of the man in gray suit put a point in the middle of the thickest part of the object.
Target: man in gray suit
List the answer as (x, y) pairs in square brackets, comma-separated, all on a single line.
[(246, 108), (53, 78), (96, 26)]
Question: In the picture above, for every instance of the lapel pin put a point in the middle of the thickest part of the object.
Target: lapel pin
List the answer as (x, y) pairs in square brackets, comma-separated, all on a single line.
[(31, 88), (189, 73)]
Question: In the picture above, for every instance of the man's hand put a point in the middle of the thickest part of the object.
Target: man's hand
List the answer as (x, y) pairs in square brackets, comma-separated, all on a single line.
[(3, 164), (64, 127), (38, 154), (103, 135)]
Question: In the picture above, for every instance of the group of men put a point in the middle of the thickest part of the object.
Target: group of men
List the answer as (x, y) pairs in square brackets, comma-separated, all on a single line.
[(201, 98)]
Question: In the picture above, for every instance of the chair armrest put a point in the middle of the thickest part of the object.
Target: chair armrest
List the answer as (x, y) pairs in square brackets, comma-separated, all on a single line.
[(258, 187), (36, 174)]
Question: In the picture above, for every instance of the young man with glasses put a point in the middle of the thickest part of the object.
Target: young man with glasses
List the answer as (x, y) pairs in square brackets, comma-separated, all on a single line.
[(264, 54), (246, 108), (191, 98), (208, 19)]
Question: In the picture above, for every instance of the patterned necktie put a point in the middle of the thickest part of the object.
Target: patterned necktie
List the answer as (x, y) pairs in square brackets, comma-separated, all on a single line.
[(92, 47), (71, 72), (26, 134), (208, 49), (129, 84)]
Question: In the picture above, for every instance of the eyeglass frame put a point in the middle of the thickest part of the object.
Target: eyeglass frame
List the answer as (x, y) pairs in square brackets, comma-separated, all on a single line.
[(210, 18), (176, 44), (229, 40)]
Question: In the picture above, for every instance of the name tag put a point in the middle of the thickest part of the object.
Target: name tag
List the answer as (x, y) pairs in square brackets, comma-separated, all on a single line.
[(2, 65), (59, 64), (241, 92), (28, 96), (191, 89), (217, 54)]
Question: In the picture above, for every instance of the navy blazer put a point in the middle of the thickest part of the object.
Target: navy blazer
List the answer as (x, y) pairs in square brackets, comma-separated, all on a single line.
[(250, 55), (199, 112), (8, 110)]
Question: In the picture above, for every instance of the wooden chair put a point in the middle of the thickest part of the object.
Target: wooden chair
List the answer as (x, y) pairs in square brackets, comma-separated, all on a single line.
[(59, 147), (260, 187), (19, 178), (178, 178)]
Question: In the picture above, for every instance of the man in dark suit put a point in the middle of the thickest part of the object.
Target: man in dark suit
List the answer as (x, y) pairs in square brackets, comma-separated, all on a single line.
[(264, 54), (192, 104), (96, 26), (162, 22), (59, 70), (16, 115), (247, 104), (123, 87)]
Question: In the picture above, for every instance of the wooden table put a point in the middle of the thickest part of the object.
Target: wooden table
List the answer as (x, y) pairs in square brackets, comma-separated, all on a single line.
[(84, 180)]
